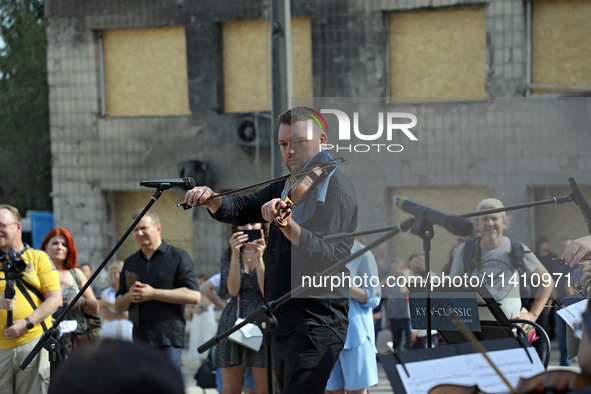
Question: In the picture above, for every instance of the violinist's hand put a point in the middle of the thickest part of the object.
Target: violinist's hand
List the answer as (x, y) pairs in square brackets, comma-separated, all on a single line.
[(198, 195), (291, 230), (579, 249), (268, 210)]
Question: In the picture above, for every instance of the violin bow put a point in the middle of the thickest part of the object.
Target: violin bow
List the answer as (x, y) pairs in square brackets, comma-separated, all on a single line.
[(243, 189), (478, 346)]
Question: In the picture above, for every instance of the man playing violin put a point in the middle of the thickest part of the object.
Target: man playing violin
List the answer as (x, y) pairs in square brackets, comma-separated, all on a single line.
[(312, 330)]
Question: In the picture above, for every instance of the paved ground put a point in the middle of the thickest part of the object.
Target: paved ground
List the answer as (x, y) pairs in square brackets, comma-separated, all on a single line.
[(190, 367)]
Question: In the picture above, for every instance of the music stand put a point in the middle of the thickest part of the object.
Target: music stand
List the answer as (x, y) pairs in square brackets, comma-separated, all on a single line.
[(391, 361), (493, 321), (494, 324)]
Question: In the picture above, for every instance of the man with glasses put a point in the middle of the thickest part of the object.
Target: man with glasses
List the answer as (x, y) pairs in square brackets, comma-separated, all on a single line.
[(37, 297)]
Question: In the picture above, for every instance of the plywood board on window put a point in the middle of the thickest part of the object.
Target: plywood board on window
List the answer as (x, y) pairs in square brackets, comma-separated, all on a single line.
[(438, 53), (146, 72), (451, 200), (246, 49), (177, 228), (301, 55), (559, 221), (560, 42)]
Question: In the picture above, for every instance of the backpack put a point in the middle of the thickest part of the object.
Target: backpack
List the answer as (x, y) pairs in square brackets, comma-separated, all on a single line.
[(205, 375), (473, 253)]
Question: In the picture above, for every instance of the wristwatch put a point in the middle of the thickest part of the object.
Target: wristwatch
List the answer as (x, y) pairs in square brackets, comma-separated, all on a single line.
[(29, 324)]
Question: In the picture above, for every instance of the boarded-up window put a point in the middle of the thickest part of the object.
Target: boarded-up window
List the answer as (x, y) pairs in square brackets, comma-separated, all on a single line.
[(452, 200), (177, 227), (560, 42), (146, 72), (438, 53), (247, 72)]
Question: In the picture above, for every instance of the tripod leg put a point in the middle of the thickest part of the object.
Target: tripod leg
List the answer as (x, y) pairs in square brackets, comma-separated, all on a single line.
[(269, 356)]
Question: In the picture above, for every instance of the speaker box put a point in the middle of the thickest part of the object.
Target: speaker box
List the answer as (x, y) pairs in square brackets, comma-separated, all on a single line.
[(195, 169)]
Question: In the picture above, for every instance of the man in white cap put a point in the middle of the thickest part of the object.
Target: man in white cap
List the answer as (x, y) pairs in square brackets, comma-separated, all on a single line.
[(502, 261)]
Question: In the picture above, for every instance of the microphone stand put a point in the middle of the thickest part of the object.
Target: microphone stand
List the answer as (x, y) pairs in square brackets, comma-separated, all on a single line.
[(553, 200), (263, 316), (47, 341), (424, 229), (576, 196)]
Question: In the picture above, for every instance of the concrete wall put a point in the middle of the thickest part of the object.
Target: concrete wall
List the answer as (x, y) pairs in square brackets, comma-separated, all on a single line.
[(460, 144)]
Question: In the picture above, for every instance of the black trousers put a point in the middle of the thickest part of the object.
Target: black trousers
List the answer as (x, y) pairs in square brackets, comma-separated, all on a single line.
[(304, 359)]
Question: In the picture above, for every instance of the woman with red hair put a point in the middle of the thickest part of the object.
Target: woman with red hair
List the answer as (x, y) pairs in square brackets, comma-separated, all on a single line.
[(59, 245)]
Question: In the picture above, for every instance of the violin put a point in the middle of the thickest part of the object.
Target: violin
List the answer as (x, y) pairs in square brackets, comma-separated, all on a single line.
[(584, 289), (556, 381), (295, 189), (306, 176)]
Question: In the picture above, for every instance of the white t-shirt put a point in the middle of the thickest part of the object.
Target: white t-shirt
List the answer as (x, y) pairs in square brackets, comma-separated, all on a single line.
[(109, 294), (215, 280), (497, 261)]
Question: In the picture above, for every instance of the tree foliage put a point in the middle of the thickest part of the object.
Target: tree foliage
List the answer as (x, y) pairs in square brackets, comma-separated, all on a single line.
[(25, 158)]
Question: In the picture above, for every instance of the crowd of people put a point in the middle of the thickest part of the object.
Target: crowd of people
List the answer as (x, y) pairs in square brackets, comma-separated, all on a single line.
[(323, 342), (39, 285)]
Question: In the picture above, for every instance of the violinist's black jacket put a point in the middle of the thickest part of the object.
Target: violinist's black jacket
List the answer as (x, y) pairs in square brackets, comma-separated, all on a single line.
[(286, 264)]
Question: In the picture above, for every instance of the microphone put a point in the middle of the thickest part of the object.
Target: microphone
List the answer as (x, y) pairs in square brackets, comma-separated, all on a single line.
[(165, 184), (579, 199), (455, 224)]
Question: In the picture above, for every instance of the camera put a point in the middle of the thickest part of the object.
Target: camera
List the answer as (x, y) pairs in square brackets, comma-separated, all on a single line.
[(13, 265), (253, 235), (13, 268)]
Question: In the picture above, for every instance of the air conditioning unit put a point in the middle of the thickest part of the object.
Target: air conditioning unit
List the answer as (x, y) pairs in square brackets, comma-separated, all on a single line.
[(252, 129)]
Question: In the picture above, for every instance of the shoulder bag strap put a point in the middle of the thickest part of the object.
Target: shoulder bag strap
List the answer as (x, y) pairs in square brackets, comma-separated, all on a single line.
[(22, 286)]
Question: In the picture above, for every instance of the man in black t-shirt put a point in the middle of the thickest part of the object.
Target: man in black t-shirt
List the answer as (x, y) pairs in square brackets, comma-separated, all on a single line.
[(165, 281)]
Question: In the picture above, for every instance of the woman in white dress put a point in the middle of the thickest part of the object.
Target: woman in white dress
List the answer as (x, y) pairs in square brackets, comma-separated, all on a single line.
[(203, 324), (115, 325)]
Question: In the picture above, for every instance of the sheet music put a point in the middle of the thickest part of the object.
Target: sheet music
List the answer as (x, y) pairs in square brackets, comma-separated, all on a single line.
[(471, 369), (573, 315)]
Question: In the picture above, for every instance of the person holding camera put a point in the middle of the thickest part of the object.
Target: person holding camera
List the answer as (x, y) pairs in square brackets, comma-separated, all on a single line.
[(242, 278), (38, 295)]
